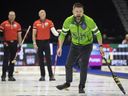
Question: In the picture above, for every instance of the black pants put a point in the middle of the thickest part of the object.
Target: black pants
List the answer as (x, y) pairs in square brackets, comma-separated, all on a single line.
[(10, 49), (76, 53), (44, 47)]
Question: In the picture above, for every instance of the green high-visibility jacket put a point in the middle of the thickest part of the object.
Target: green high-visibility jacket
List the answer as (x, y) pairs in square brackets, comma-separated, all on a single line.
[(82, 32)]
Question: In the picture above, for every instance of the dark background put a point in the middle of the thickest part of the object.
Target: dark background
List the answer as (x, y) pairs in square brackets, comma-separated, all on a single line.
[(102, 11)]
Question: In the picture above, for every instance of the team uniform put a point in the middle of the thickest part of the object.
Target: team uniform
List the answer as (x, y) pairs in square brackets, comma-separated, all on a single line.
[(42, 40), (10, 36), (81, 46)]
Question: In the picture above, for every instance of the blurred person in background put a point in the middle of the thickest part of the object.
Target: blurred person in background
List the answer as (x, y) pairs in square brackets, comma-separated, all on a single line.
[(12, 36), (125, 41)]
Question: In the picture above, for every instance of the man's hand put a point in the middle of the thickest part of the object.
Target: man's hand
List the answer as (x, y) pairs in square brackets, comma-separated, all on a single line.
[(19, 48), (101, 51), (35, 46), (5, 44), (59, 52), (59, 30)]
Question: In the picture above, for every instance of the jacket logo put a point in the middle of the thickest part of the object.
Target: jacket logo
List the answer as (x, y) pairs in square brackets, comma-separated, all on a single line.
[(83, 25), (46, 24), (7, 25), (14, 25), (38, 24)]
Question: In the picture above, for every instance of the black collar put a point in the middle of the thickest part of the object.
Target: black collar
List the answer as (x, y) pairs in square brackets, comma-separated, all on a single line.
[(42, 21), (75, 22)]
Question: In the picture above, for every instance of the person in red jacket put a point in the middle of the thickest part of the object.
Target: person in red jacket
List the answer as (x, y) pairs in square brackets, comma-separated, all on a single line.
[(41, 37), (12, 36)]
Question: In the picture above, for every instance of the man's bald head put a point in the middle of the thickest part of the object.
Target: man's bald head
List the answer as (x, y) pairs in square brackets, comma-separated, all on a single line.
[(126, 36), (11, 16), (42, 14)]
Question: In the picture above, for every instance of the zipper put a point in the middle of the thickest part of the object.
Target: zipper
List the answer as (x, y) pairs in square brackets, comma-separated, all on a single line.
[(78, 33)]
